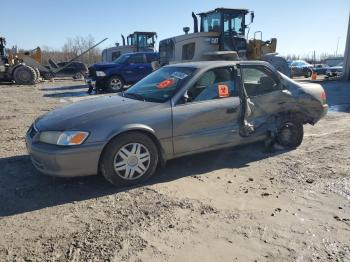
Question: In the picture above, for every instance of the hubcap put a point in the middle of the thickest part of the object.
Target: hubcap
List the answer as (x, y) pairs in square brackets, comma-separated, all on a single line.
[(116, 84), (132, 161)]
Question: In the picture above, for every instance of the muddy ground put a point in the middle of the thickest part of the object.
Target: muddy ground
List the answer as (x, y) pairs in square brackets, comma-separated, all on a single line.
[(240, 204)]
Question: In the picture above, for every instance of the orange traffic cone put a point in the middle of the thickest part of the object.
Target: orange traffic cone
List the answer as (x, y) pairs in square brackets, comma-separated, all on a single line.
[(314, 76)]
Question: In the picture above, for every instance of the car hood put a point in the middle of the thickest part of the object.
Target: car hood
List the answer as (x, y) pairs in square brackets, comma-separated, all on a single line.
[(100, 66), (73, 116)]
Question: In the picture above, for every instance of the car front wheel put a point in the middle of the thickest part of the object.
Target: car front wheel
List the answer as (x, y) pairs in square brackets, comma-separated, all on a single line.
[(115, 84), (129, 159)]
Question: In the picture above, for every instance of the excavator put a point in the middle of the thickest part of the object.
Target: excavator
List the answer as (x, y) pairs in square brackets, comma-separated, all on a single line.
[(221, 35), (135, 42)]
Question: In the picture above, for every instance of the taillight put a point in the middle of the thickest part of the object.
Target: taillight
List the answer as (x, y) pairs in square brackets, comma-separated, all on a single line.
[(323, 97)]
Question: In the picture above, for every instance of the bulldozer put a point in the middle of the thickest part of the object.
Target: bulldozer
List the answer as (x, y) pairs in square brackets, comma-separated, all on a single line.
[(221, 35), (135, 42), (25, 68)]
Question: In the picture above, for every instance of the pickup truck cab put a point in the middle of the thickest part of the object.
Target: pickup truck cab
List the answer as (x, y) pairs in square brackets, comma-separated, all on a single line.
[(125, 70)]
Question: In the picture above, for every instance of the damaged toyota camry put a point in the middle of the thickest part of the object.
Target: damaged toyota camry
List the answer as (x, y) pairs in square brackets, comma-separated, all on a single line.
[(178, 110)]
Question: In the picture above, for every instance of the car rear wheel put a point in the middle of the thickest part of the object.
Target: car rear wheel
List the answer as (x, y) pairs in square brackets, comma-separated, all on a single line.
[(78, 76), (290, 134), (115, 84), (308, 73), (129, 159)]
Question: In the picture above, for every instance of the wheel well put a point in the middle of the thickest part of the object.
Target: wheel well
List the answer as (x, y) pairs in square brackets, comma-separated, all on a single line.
[(295, 115), (118, 75), (144, 132)]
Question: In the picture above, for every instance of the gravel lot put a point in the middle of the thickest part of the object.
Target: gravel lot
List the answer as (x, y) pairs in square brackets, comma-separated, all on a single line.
[(240, 204)]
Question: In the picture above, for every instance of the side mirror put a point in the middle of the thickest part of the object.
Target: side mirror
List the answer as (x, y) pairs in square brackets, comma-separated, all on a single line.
[(187, 97), (251, 17)]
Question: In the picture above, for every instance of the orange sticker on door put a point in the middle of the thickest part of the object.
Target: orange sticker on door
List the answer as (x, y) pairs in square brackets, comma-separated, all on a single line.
[(223, 91)]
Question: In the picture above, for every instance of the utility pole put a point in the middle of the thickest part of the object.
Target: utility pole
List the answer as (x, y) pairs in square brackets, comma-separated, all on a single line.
[(336, 51), (346, 63), (314, 58)]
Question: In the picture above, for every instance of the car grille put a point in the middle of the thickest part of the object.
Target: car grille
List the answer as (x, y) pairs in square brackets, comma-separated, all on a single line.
[(92, 72), (33, 131)]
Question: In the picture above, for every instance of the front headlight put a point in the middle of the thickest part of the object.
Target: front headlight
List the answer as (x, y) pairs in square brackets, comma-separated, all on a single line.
[(100, 73), (66, 138)]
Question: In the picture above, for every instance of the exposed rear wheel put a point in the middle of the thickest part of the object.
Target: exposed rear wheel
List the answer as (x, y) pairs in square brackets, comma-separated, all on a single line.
[(24, 75), (129, 159), (290, 134)]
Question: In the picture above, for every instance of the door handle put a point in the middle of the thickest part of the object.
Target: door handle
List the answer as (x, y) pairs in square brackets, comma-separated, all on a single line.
[(232, 110)]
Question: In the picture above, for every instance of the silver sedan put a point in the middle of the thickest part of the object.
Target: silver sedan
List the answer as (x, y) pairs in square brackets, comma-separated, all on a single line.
[(177, 110)]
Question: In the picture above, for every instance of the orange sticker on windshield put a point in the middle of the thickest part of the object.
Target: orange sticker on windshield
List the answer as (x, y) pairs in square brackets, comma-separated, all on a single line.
[(166, 83), (223, 91)]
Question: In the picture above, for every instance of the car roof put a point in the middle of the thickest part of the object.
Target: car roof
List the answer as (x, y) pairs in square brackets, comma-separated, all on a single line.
[(211, 64)]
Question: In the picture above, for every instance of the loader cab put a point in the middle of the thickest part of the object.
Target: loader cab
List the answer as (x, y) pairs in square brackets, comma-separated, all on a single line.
[(143, 41), (231, 26)]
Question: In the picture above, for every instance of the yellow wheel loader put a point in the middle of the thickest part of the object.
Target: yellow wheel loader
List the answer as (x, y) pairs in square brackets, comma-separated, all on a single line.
[(25, 68), (221, 36)]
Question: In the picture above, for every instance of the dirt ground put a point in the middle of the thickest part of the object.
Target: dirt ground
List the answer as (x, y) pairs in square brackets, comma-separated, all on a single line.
[(240, 204)]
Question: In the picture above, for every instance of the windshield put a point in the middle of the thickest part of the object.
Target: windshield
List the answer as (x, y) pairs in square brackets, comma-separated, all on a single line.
[(233, 24), (211, 22), (121, 59), (145, 40), (161, 85)]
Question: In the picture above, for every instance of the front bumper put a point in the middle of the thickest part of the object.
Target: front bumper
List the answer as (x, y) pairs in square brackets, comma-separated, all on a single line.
[(64, 161), (90, 82)]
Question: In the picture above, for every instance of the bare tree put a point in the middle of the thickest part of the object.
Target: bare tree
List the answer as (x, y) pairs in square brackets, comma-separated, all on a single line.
[(72, 48)]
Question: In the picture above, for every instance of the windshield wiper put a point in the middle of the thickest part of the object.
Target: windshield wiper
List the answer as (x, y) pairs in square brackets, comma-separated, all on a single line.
[(134, 95)]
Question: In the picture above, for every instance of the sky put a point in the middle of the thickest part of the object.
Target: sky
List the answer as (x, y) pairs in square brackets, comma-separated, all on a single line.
[(301, 26)]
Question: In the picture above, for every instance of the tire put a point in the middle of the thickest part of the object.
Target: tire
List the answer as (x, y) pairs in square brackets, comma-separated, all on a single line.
[(78, 76), (308, 73), (131, 154), (37, 72), (290, 134), (115, 84), (24, 75), (48, 76)]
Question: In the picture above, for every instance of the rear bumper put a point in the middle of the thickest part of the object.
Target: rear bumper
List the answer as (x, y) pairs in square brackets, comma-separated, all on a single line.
[(64, 161)]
